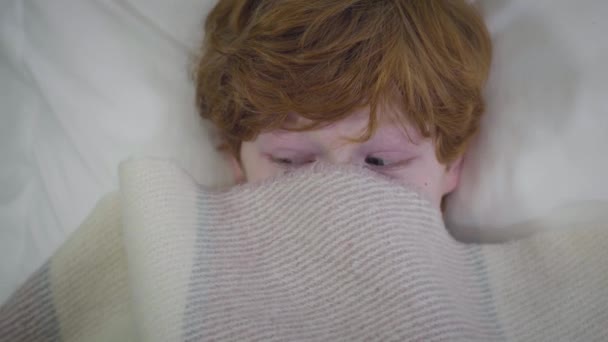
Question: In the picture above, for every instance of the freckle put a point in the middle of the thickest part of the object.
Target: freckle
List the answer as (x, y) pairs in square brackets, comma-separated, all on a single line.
[(426, 183)]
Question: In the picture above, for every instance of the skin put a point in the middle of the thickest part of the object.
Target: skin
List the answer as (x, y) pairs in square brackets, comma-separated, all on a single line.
[(403, 155)]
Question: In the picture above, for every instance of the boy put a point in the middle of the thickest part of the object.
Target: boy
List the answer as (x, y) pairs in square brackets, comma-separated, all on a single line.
[(391, 85)]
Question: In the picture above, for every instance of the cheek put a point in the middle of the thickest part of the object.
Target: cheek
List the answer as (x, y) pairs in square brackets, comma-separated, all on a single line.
[(427, 178), (422, 178), (255, 166)]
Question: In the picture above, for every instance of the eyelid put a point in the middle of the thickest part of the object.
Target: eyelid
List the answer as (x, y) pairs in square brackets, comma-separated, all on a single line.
[(297, 160), (392, 165), (290, 154), (402, 162)]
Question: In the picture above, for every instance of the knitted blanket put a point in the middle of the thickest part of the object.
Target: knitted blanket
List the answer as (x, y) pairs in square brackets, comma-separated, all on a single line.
[(323, 254)]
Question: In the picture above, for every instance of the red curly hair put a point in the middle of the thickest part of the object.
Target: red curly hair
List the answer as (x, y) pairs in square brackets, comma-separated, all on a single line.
[(322, 59)]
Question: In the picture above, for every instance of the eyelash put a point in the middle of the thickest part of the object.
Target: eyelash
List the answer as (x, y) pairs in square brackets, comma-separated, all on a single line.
[(370, 158), (289, 163)]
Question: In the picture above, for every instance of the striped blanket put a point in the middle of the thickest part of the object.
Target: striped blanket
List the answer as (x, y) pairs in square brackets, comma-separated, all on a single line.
[(323, 254)]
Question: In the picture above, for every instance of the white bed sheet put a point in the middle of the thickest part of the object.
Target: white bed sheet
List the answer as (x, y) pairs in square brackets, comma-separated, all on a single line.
[(84, 85)]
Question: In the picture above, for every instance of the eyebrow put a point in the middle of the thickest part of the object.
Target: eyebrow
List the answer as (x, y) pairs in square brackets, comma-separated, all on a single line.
[(279, 132), (396, 136), (284, 136), (386, 137)]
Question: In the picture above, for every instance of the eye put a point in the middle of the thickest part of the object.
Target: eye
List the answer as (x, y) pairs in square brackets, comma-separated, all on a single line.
[(282, 161), (374, 161), (388, 161), (289, 162)]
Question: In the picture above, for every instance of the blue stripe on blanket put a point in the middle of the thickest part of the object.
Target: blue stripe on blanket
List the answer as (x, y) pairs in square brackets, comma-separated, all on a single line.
[(29, 314), (481, 273), (191, 330)]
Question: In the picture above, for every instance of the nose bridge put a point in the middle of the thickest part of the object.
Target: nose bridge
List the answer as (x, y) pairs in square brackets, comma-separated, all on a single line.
[(342, 152), (336, 140)]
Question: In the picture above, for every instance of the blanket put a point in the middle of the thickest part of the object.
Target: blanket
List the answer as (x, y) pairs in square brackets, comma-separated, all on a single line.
[(321, 254)]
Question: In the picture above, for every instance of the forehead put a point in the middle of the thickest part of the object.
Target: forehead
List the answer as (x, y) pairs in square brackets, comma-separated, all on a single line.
[(387, 130), (389, 122)]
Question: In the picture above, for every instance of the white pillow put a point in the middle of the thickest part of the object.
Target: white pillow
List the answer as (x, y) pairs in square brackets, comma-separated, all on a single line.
[(84, 85), (543, 143)]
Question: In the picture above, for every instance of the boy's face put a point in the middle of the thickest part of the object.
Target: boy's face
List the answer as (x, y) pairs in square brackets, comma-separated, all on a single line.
[(389, 151)]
